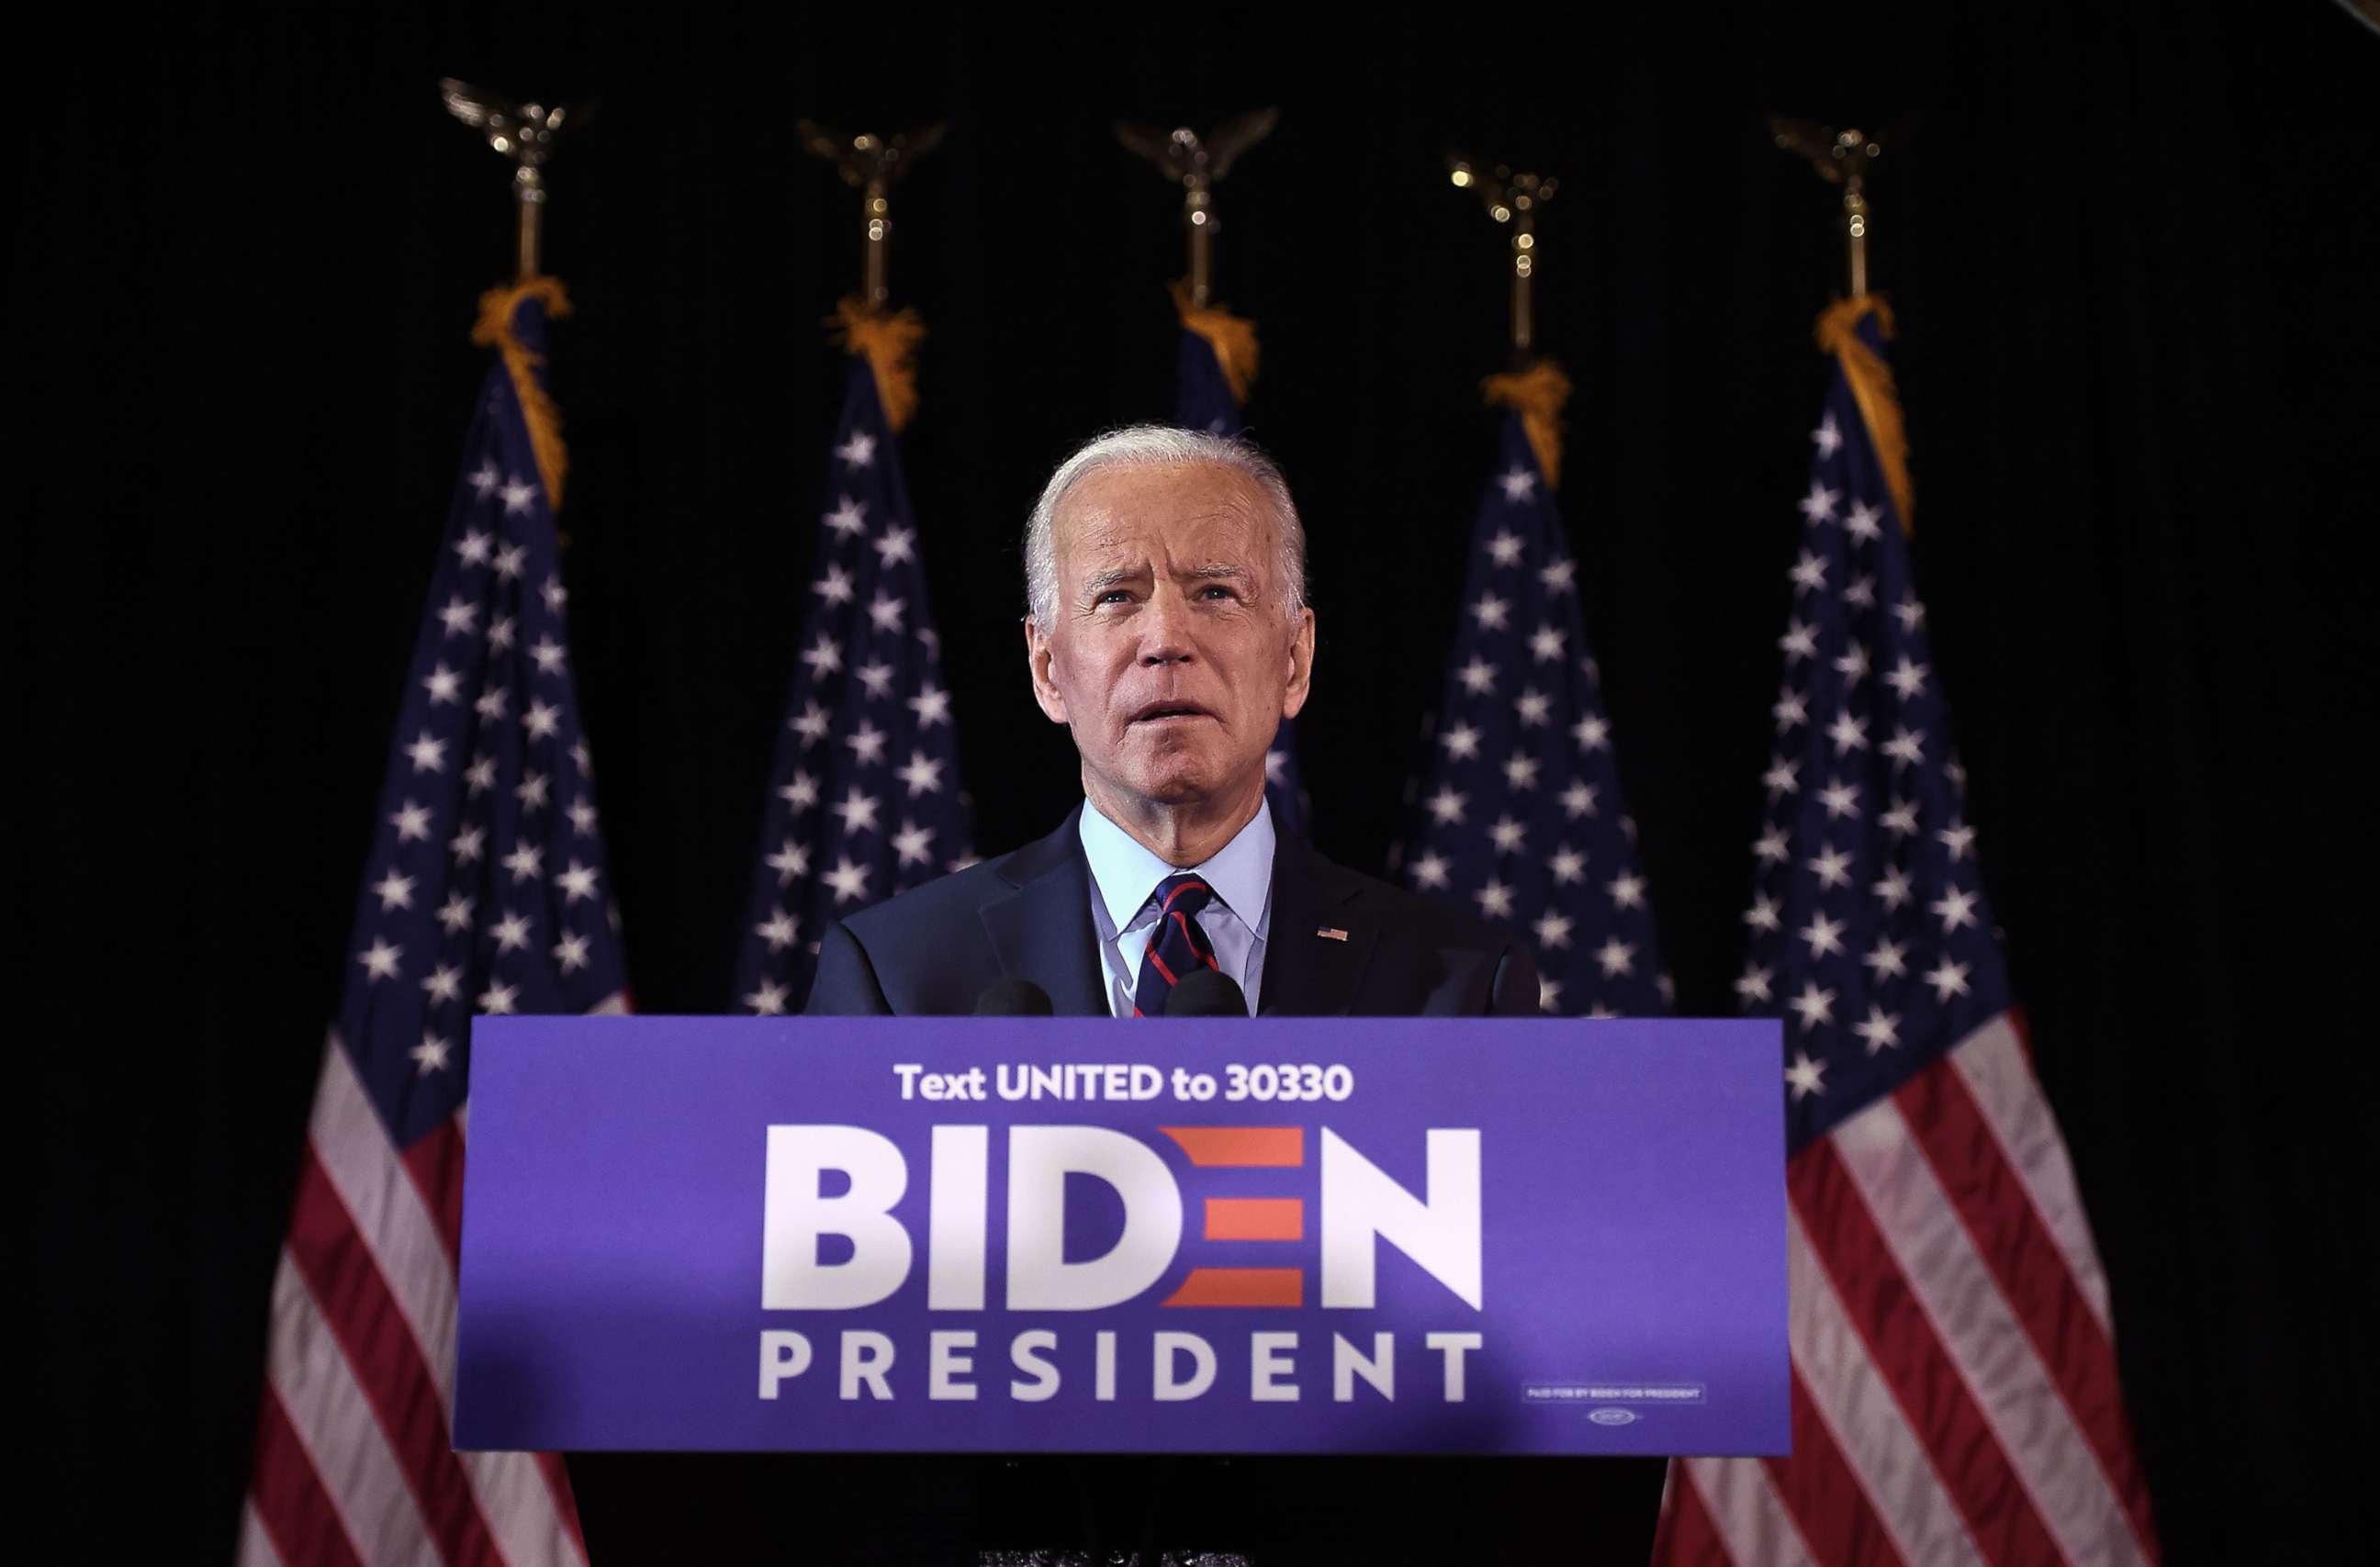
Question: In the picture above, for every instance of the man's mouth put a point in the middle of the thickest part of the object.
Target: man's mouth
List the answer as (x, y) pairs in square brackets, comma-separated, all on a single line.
[(1170, 713)]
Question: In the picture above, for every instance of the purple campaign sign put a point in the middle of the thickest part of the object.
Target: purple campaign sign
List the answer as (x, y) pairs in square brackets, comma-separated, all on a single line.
[(1061, 1234)]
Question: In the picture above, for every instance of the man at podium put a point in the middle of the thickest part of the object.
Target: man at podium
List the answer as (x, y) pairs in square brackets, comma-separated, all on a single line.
[(1168, 629)]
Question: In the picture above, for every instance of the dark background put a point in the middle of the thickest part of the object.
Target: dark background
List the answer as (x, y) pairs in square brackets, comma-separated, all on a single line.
[(2133, 246)]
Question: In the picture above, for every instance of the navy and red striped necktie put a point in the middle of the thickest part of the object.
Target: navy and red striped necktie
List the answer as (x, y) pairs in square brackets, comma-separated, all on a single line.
[(1177, 946)]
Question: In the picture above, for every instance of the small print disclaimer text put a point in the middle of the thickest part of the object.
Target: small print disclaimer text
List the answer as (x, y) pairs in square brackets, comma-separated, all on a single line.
[(1565, 1393)]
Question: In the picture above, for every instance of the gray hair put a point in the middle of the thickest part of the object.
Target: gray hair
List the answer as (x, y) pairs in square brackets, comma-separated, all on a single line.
[(1160, 445)]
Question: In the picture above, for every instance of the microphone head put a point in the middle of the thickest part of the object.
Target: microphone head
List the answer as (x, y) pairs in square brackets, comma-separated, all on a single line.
[(1207, 992), (1013, 998)]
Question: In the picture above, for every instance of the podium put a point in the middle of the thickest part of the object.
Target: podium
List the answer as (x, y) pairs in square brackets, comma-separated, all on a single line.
[(1370, 1246)]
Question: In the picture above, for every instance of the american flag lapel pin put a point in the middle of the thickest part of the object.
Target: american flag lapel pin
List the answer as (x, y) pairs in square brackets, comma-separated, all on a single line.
[(1331, 933)]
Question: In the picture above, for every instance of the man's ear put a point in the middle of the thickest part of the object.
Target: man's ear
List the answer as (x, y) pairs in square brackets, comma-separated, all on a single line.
[(1301, 665), (1037, 665)]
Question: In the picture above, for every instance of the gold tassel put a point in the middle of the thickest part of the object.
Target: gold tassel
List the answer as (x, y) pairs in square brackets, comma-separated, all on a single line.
[(1537, 394), (887, 340), (1871, 383), (1234, 339), (496, 329)]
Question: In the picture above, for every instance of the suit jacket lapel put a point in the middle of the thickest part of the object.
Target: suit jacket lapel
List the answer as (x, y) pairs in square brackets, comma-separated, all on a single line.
[(1042, 930), (1307, 973)]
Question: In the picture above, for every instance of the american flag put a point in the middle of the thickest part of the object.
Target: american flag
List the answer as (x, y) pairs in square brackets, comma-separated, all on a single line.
[(484, 893), (1954, 1391), (1520, 815), (1203, 399), (864, 798)]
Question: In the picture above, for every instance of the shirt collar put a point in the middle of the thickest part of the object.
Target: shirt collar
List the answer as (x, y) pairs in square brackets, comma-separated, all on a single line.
[(1125, 871)]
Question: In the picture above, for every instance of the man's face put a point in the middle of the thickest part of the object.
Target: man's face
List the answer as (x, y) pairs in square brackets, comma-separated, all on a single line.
[(1170, 652)]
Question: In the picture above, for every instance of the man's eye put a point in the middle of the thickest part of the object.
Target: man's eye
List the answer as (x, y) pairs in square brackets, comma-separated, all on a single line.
[(1113, 596), (1218, 590)]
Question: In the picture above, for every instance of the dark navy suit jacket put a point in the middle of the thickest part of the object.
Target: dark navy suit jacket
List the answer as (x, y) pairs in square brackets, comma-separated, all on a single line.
[(1027, 916)]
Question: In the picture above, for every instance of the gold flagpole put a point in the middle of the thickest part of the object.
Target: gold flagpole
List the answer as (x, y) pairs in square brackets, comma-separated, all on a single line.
[(1840, 158), (1512, 200), (1536, 387), (865, 323), (524, 133), (1844, 158), (870, 163), (1197, 165)]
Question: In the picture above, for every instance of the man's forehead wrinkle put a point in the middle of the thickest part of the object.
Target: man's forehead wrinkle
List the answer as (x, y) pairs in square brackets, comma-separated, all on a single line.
[(1100, 581), (1110, 576), (1124, 553), (1103, 502), (1106, 531)]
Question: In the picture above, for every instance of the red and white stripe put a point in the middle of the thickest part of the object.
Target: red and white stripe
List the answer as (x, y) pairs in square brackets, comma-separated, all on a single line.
[(355, 1453), (1955, 1397)]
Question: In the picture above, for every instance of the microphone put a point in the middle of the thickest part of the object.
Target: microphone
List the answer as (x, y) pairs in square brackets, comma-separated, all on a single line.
[(1013, 998), (1207, 992)]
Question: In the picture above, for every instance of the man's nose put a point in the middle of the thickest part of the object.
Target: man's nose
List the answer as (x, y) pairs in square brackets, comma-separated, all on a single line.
[(1165, 629)]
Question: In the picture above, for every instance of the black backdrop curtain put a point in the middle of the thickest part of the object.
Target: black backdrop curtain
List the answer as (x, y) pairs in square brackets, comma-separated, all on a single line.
[(2131, 245)]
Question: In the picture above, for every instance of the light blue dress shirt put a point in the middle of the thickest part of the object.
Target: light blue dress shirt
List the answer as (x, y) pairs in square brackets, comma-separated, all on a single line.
[(1124, 875)]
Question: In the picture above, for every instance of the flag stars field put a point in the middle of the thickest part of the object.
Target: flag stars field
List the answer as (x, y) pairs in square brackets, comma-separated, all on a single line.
[(868, 693), (1513, 805)]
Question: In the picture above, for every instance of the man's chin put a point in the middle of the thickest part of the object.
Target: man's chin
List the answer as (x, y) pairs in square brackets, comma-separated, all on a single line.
[(1174, 789), (1178, 780)]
